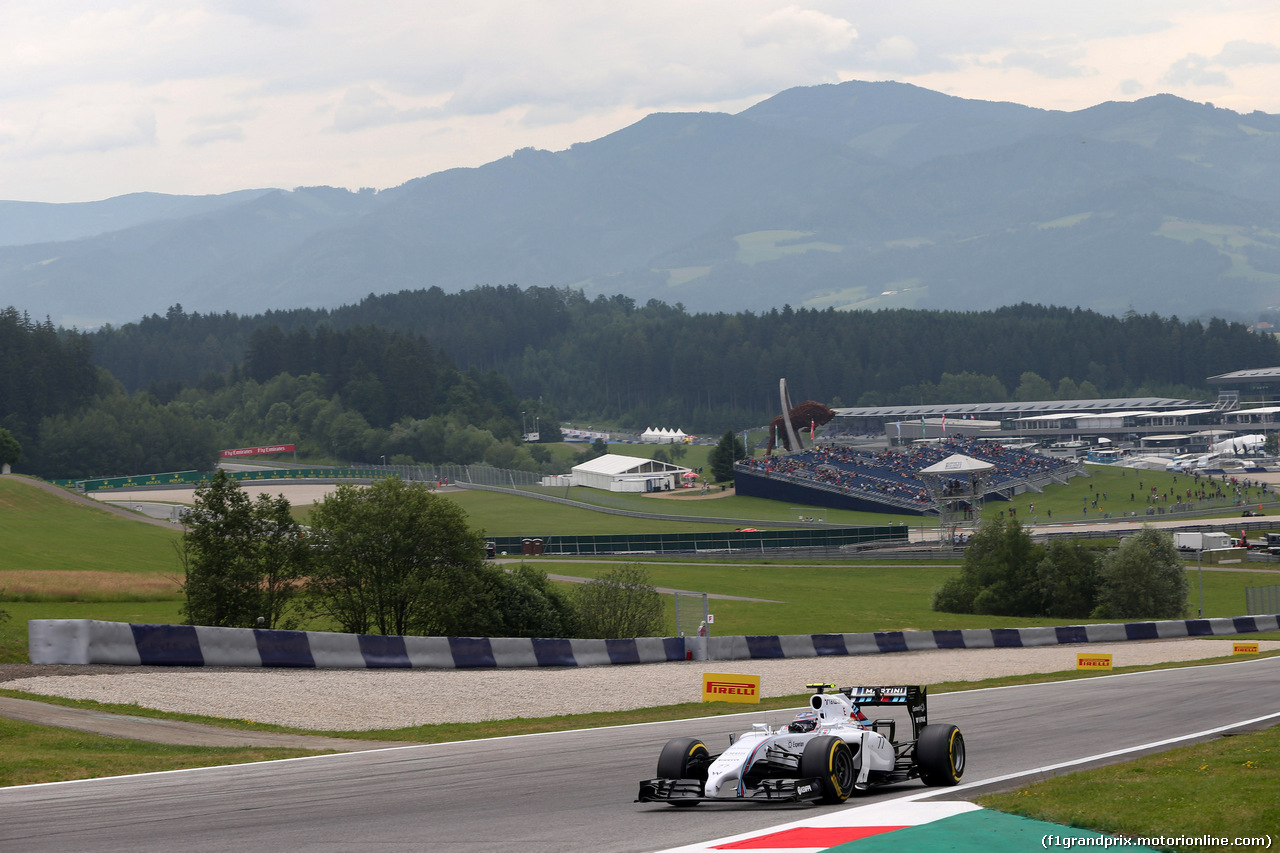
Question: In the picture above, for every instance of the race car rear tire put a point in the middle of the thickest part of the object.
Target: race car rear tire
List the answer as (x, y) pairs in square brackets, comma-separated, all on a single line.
[(684, 758), (831, 761), (940, 755)]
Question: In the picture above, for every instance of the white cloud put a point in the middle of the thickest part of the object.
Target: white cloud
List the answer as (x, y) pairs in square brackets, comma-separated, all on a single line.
[(1195, 70), (362, 107), (1054, 65), (230, 133), (90, 127), (1239, 53), (793, 27), (894, 49)]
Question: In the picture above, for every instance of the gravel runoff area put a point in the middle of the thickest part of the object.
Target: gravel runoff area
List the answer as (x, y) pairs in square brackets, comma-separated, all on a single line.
[(353, 700)]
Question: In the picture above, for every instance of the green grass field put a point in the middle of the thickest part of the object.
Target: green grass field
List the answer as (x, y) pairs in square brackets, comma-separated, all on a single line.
[(30, 754), (1226, 788), (42, 532)]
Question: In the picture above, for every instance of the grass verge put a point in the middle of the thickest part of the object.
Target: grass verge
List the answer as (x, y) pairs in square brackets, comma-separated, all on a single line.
[(33, 753), (1226, 788)]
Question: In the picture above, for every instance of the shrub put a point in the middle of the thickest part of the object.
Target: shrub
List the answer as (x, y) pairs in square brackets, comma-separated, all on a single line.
[(1068, 578), (1143, 579), (998, 576), (521, 603), (619, 604)]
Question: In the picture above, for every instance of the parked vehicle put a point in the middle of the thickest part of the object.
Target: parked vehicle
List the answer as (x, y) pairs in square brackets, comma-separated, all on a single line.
[(1201, 541)]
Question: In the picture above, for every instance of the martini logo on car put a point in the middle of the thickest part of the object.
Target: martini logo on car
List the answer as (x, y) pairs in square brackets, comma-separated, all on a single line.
[(729, 687), (1093, 661)]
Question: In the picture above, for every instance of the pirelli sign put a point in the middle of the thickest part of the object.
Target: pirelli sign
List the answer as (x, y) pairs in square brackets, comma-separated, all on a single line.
[(1096, 662), (727, 687)]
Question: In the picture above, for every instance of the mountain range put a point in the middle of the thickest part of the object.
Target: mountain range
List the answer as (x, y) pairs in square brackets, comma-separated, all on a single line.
[(851, 196)]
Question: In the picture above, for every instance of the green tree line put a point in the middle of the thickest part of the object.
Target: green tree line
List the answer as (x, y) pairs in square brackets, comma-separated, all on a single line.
[(610, 359), (425, 376)]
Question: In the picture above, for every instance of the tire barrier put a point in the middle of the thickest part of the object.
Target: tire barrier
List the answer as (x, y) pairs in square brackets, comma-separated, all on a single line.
[(819, 645), (88, 641), (85, 641)]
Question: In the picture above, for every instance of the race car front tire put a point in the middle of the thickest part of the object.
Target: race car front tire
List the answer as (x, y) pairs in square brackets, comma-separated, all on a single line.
[(940, 755), (684, 758), (831, 761)]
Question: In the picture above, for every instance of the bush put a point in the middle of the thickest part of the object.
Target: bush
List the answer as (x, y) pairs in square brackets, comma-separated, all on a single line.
[(521, 603), (620, 604), (1068, 578), (1143, 579), (998, 576)]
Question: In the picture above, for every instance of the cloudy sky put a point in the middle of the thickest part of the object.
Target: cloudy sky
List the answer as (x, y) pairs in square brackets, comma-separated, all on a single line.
[(101, 98)]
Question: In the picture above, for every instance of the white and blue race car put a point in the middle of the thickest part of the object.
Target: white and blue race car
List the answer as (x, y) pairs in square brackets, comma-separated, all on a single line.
[(825, 754)]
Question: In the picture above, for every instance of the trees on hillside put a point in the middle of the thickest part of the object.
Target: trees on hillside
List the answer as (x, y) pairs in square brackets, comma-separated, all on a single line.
[(611, 358), (242, 559)]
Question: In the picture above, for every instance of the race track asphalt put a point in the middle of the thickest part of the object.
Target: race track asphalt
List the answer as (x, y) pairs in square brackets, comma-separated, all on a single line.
[(573, 791)]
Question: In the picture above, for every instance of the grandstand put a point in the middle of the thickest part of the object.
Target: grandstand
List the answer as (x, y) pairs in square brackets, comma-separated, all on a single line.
[(843, 477)]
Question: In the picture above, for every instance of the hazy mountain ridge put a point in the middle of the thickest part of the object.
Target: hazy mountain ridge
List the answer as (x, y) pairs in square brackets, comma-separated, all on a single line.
[(848, 195)]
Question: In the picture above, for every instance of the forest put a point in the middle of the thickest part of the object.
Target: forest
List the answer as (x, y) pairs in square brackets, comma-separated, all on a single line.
[(433, 377)]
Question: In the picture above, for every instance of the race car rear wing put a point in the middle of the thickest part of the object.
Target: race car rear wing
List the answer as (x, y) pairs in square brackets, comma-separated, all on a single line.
[(913, 697)]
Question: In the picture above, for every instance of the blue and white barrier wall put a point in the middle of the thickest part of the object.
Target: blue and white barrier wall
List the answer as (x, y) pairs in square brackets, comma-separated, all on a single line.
[(819, 645), (81, 641), (85, 641)]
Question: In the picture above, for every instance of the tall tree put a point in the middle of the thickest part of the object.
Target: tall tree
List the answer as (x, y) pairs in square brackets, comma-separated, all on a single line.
[(729, 450), (10, 449), (395, 559), (242, 559)]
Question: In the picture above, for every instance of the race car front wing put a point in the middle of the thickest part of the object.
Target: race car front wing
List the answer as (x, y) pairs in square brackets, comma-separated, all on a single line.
[(766, 791)]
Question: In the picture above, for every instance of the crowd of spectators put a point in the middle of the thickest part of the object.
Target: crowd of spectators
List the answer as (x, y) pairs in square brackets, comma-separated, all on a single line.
[(894, 476)]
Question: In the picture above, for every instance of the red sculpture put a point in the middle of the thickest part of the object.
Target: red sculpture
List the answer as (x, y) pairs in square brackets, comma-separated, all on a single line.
[(806, 416)]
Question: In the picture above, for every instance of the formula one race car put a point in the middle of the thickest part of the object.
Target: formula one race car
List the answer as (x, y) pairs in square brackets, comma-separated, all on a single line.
[(824, 754)]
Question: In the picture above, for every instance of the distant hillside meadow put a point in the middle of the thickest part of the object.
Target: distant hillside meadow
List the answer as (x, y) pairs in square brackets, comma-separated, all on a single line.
[(849, 196)]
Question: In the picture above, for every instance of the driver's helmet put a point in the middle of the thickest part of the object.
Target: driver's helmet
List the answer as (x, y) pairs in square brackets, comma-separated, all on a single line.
[(805, 721)]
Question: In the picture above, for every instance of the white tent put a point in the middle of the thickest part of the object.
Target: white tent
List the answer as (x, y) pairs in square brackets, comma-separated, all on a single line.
[(617, 473), (957, 464)]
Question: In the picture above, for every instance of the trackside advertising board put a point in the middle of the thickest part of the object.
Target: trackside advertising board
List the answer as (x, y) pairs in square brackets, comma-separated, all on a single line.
[(728, 687), (254, 451), (1087, 661), (1242, 648)]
